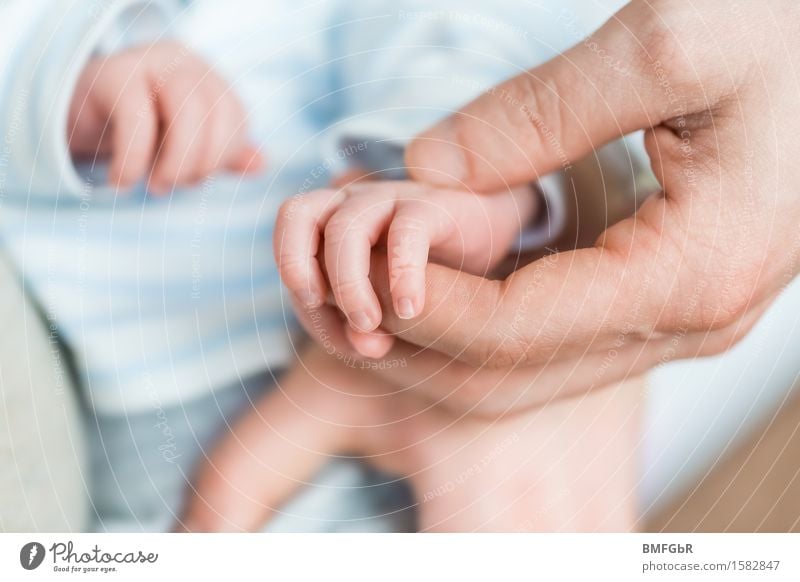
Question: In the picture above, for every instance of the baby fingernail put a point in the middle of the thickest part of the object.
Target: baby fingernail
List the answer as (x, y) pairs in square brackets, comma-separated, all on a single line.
[(405, 308), (361, 320), (308, 299)]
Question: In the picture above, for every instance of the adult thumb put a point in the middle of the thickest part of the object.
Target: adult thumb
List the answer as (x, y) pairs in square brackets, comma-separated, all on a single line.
[(542, 120)]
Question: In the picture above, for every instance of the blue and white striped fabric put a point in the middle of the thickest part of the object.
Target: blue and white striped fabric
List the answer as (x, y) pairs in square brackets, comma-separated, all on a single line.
[(161, 300)]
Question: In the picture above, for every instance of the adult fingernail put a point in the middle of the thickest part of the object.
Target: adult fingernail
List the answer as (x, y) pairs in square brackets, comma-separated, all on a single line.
[(405, 308), (361, 321), (308, 299), (436, 156)]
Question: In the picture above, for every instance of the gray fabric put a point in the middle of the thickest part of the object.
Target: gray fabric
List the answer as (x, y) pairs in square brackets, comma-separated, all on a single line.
[(41, 448), (142, 464)]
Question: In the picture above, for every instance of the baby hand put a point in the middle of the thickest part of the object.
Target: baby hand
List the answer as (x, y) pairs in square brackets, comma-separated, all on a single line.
[(459, 229), (162, 110)]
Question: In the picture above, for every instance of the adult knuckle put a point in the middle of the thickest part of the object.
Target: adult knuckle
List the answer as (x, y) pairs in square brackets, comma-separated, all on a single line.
[(508, 355), (732, 306), (666, 37), (724, 307), (497, 353), (541, 108)]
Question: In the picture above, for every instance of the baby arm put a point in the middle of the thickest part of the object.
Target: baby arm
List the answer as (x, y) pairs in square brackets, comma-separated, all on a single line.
[(162, 111)]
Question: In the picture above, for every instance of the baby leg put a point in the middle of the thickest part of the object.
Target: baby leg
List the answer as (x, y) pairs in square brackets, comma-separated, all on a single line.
[(279, 445), (567, 466)]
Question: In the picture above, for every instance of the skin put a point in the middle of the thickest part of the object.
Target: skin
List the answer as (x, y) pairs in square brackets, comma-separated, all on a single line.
[(158, 113), (414, 221), (477, 448), (134, 109), (691, 272), (683, 277), (566, 467), (475, 461), (100, 125)]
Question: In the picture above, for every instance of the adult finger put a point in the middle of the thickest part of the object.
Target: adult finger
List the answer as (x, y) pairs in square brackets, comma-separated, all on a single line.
[(636, 282), (565, 304), (627, 76)]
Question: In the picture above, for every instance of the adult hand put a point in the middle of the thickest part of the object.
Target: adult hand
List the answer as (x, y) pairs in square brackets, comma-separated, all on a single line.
[(713, 85)]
